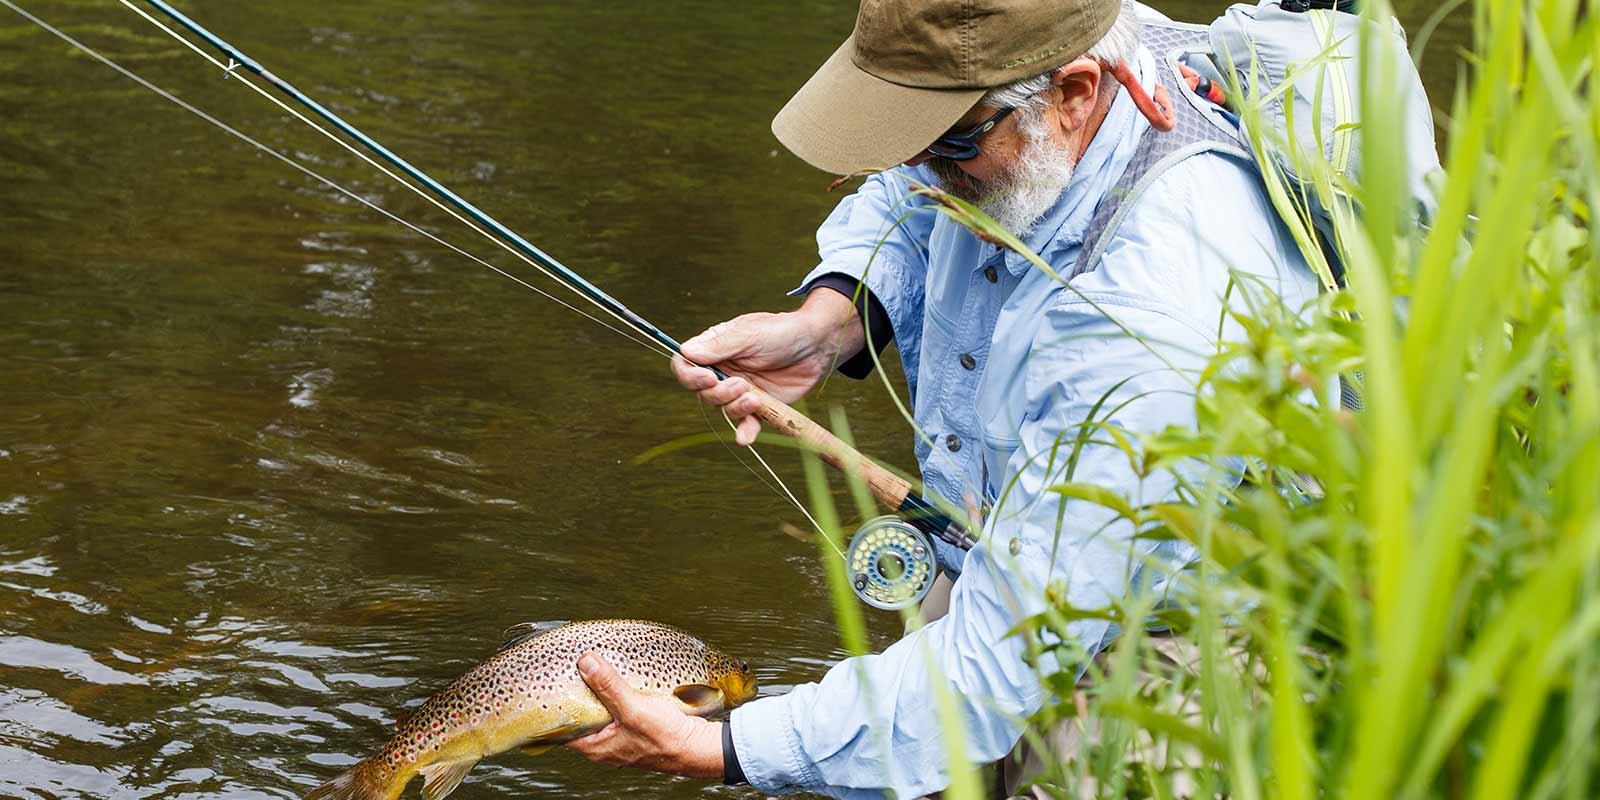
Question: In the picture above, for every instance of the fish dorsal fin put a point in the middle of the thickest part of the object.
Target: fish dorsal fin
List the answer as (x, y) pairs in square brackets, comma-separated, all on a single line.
[(442, 778), (523, 631), (403, 716), (700, 698)]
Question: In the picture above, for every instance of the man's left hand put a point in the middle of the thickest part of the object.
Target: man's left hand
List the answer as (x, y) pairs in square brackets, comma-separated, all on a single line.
[(647, 732)]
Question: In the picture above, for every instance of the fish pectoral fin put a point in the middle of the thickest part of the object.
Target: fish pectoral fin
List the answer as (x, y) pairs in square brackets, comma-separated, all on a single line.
[(700, 698), (523, 631), (555, 737), (443, 777)]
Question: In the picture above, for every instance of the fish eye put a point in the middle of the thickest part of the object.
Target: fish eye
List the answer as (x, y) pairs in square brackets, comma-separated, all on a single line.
[(744, 666)]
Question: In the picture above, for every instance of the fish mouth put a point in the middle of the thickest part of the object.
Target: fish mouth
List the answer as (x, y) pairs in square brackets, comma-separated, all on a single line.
[(737, 682), (742, 693)]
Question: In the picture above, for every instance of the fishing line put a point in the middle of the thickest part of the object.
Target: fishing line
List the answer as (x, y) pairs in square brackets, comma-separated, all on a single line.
[(230, 70), (732, 451), (246, 138), (786, 492), (782, 493)]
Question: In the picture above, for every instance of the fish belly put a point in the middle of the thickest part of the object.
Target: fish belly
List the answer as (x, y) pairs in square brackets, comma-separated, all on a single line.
[(538, 728)]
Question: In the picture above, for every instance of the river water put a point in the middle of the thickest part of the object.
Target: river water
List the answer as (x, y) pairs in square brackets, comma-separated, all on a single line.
[(273, 468)]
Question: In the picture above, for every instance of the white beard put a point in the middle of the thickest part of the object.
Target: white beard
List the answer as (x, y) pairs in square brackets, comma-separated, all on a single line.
[(1021, 194)]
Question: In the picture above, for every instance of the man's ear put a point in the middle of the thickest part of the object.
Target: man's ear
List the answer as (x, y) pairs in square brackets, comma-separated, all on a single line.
[(1079, 84)]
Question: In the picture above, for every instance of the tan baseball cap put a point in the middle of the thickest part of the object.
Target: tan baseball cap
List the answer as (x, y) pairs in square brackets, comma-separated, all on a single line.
[(912, 68)]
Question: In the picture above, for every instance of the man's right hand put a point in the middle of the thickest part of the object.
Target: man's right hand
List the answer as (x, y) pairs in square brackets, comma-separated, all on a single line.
[(786, 355)]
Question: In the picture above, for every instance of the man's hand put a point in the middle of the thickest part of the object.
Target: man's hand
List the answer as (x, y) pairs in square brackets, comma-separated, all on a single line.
[(647, 732), (785, 354)]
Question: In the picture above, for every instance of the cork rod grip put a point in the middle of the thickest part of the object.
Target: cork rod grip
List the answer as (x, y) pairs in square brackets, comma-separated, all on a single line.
[(890, 489)]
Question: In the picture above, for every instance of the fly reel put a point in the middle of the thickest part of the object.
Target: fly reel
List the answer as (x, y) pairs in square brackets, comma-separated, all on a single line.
[(891, 563)]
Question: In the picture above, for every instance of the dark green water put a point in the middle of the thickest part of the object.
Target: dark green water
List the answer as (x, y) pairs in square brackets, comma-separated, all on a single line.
[(272, 468)]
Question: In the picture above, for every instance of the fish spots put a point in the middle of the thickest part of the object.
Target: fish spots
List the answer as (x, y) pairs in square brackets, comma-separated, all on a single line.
[(535, 683)]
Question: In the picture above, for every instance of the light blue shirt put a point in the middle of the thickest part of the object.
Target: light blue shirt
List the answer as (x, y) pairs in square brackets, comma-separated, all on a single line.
[(1137, 330)]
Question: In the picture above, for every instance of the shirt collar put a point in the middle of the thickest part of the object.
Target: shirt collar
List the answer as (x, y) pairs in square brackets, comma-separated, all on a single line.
[(1097, 172)]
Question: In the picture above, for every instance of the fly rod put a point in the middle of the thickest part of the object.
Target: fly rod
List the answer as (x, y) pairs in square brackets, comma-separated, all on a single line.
[(890, 489)]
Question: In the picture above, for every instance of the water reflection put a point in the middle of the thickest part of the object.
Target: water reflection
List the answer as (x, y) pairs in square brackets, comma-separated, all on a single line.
[(22, 652), (27, 715)]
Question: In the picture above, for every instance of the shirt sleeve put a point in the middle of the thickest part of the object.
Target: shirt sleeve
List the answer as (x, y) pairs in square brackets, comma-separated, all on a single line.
[(879, 236), (871, 723)]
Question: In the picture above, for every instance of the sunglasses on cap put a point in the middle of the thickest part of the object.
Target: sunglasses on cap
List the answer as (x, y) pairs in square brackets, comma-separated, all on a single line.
[(964, 146)]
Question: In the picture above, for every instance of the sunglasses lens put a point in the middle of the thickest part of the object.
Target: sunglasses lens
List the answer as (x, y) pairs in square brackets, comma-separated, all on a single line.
[(964, 146), (953, 151)]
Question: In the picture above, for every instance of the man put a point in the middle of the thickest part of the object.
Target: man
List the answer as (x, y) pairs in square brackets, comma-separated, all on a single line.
[(1034, 110)]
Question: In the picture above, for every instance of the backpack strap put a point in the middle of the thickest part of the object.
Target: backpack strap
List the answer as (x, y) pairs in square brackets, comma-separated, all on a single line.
[(1201, 128)]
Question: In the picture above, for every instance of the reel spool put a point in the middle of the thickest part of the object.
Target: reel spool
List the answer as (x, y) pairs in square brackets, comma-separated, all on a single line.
[(891, 563)]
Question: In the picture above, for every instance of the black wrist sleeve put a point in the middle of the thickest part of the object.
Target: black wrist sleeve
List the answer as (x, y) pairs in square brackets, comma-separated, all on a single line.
[(732, 773), (874, 320)]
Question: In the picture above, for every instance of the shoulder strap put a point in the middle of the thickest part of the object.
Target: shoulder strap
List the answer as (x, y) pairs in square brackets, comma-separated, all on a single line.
[(1201, 128)]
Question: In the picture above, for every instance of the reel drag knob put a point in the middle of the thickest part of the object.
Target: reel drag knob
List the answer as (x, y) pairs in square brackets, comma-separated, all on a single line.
[(891, 563)]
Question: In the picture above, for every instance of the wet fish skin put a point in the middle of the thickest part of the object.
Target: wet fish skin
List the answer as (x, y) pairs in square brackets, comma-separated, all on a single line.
[(530, 695)]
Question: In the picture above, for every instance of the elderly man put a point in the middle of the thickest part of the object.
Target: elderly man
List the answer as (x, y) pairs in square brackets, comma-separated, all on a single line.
[(1048, 115)]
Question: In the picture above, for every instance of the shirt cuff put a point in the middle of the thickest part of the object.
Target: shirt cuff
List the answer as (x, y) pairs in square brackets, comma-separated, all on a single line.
[(732, 773), (769, 749), (874, 320)]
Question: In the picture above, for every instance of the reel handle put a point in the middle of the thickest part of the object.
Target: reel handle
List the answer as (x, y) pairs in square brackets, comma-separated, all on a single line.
[(889, 488)]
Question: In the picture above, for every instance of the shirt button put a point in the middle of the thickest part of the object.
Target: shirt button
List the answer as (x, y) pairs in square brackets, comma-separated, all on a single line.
[(953, 442), (1016, 546), (992, 275), (968, 361)]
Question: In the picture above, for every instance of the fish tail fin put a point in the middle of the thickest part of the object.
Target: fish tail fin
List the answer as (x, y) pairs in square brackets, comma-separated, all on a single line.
[(368, 780)]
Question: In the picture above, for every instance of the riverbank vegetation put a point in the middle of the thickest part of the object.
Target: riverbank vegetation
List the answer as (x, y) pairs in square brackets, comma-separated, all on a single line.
[(1401, 601)]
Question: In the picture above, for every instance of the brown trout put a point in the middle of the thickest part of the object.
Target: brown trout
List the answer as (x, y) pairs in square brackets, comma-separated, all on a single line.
[(529, 695)]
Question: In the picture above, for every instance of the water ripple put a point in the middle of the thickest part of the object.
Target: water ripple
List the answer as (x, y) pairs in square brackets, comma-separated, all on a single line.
[(38, 566), (303, 388), (239, 709), (147, 626), (26, 771), (27, 652), (26, 714), (79, 603), (366, 681), (299, 677)]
